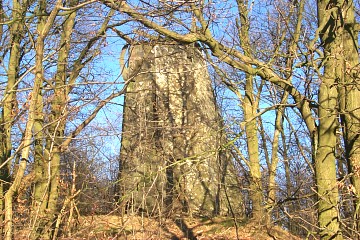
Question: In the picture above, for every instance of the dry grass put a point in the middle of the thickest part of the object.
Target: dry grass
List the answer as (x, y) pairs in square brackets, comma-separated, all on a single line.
[(141, 228)]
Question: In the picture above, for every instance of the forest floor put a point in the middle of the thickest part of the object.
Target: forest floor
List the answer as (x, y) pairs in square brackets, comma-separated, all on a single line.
[(141, 228)]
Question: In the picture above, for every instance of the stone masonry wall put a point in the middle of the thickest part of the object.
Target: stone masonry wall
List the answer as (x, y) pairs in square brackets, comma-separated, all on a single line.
[(170, 154)]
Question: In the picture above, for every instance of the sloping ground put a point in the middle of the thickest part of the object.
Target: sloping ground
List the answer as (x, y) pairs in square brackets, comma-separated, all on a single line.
[(138, 228)]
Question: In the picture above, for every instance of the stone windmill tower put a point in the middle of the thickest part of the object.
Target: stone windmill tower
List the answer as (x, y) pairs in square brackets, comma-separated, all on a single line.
[(171, 158)]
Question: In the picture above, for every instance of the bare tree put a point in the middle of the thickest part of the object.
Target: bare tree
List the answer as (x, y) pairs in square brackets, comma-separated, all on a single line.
[(55, 64)]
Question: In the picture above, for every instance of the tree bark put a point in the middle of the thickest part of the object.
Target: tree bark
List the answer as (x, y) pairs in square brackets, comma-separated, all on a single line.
[(325, 159), (43, 31), (350, 102), (47, 159), (9, 101), (250, 106)]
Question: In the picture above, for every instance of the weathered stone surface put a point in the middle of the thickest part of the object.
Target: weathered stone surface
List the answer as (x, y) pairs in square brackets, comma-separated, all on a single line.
[(170, 154)]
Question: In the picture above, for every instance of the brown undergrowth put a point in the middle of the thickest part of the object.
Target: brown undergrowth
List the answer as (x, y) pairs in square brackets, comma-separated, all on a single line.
[(142, 228)]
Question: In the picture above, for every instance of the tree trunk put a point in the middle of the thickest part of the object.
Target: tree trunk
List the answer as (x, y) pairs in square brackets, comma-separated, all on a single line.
[(8, 112), (253, 151), (33, 108), (47, 160), (350, 102), (250, 110), (274, 152), (325, 159)]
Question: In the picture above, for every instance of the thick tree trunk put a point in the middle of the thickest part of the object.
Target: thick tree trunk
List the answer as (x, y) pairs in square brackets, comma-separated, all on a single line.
[(325, 159), (325, 166), (252, 142), (350, 102)]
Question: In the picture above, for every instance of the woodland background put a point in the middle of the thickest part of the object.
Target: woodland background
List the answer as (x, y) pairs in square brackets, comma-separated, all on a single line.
[(286, 79)]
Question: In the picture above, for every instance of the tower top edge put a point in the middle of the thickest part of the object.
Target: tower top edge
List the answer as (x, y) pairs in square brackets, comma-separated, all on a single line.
[(169, 43)]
